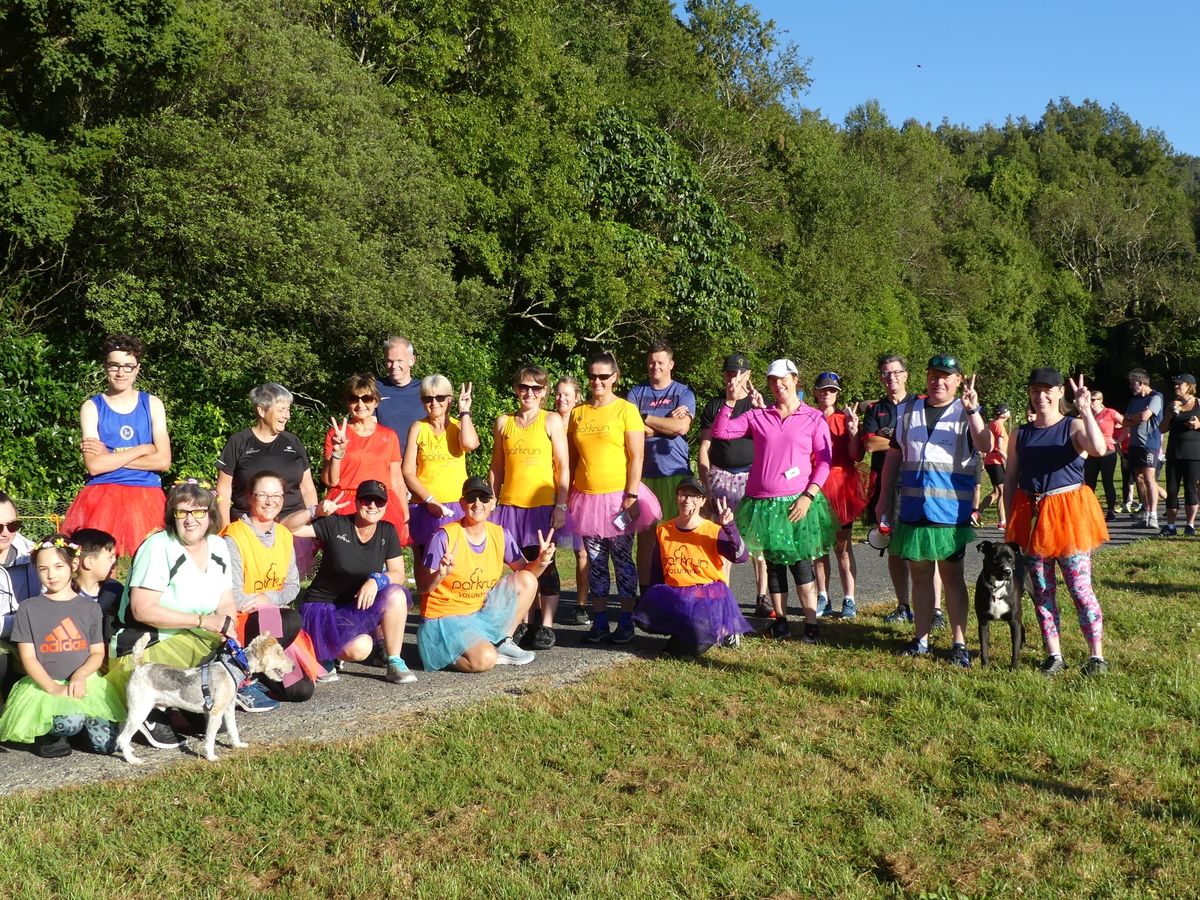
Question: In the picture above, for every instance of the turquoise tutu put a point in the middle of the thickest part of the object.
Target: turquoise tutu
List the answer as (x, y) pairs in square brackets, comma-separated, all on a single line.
[(763, 522), (443, 640), (30, 711), (929, 543)]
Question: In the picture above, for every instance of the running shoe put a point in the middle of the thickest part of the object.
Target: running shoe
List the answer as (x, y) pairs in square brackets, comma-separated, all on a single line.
[(812, 633), (582, 617), (598, 632), (849, 608), (1052, 666), (254, 698), (1189, 530), (960, 656), (900, 615), (398, 672), (1095, 666), (823, 607), (509, 654), (542, 639), (914, 648), (1168, 531), (779, 629), (939, 620), (623, 633)]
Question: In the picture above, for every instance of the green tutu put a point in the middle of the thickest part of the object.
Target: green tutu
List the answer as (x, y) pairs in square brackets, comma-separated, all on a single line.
[(763, 522), (30, 711), (930, 543)]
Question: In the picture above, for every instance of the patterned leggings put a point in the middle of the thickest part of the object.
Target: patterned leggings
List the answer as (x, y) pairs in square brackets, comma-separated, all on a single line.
[(1077, 574), (620, 549)]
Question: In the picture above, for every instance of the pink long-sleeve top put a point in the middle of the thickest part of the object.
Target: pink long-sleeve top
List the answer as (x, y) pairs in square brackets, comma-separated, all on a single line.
[(789, 454)]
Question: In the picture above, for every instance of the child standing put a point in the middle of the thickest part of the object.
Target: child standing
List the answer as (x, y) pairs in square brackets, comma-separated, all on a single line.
[(59, 639)]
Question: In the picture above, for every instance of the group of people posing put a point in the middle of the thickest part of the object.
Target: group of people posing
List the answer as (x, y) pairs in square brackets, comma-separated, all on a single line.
[(776, 483)]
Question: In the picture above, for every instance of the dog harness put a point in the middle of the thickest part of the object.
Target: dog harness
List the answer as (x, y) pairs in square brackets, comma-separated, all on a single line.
[(233, 658)]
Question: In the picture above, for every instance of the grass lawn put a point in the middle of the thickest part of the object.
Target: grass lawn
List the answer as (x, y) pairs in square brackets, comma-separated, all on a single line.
[(768, 771)]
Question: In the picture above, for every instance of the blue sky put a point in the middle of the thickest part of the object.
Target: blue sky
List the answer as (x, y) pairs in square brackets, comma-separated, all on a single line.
[(981, 62)]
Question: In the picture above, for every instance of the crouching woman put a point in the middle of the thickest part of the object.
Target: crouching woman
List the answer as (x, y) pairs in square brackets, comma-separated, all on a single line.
[(690, 598), (472, 607)]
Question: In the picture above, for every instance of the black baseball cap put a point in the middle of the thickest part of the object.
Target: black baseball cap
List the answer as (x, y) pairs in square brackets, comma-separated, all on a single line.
[(1001, 409), (372, 490), (1184, 379), (736, 362), (828, 379), (692, 483), (1046, 376), (476, 485), (944, 362)]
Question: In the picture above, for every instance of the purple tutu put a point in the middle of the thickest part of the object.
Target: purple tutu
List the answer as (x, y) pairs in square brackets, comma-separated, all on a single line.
[(730, 486), (422, 526), (523, 523), (696, 616), (591, 515), (332, 626)]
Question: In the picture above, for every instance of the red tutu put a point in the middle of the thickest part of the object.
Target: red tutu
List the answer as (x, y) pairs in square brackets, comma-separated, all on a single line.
[(843, 490), (393, 512), (1067, 524), (126, 512)]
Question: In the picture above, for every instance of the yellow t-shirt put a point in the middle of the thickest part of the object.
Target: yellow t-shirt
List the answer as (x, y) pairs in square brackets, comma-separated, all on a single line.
[(690, 557), (599, 437), (528, 463), (441, 463), (464, 589)]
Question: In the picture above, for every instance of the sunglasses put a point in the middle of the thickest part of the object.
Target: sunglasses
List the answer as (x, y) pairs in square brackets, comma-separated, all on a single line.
[(372, 501), (11, 527), (363, 398), (436, 398), (944, 362), (127, 368), (196, 514), (530, 388), (598, 376)]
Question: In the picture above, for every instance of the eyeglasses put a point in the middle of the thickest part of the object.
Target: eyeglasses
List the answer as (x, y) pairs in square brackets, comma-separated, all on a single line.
[(530, 388), (600, 376), (196, 514), (893, 374), (944, 362), (436, 398), (267, 498), (363, 398), (127, 368), (11, 527)]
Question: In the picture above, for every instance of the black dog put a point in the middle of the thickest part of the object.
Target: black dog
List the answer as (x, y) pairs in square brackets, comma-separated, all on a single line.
[(998, 595)]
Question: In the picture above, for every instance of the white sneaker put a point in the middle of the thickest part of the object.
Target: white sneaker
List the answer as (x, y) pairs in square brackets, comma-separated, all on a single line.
[(1152, 522), (509, 654)]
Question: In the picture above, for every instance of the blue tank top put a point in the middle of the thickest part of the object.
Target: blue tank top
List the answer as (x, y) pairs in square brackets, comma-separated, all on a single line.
[(1048, 458), (125, 430)]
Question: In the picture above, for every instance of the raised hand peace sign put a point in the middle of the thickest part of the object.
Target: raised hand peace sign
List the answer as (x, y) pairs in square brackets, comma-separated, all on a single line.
[(851, 418), (447, 562), (970, 397), (724, 513), (464, 397), (546, 547), (339, 436), (738, 386), (1083, 396)]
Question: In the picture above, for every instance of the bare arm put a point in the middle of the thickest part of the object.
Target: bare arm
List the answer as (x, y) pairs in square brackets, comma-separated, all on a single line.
[(703, 464), (1010, 476), (887, 482), (635, 451), (147, 610), (496, 472), (562, 460), (873, 443), (224, 496), (97, 458), (159, 459), (669, 426)]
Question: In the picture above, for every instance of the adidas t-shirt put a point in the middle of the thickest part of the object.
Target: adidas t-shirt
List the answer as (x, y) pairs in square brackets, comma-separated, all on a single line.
[(61, 631)]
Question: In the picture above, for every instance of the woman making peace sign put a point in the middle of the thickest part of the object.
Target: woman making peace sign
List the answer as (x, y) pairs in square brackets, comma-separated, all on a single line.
[(471, 608)]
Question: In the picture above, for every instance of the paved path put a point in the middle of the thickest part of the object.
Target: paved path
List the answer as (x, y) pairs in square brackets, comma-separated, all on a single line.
[(361, 703)]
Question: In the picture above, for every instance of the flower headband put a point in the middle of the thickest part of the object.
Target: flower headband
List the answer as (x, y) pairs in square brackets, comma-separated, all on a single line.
[(60, 544), (204, 485)]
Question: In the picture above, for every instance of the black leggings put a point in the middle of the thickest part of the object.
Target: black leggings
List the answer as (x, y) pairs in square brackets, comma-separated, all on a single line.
[(1187, 473), (549, 584), (1106, 466), (777, 573)]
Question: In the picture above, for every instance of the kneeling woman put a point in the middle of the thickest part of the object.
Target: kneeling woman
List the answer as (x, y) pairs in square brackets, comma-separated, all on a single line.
[(266, 581), (472, 608), (690, 598), (358, 590), (1054, 516)]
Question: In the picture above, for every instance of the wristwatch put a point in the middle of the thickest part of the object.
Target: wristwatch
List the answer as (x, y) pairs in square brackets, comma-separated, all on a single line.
[(561, 506), (805, 493)]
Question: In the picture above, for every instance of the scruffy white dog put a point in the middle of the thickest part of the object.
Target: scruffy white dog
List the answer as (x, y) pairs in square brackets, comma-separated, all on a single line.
[(155, 684)]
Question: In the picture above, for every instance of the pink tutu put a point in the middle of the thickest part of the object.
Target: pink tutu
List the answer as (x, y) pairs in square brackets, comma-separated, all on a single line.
[(591, 515), (126, 512)]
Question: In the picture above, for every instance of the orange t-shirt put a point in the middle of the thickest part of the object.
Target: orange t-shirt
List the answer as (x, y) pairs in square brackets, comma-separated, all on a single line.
[(690, 557), (466, 586)]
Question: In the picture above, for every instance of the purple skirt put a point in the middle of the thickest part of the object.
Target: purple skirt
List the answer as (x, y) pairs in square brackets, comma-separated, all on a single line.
[(729, 486), (592, 515), (422, 526), (332, 626), (696, 616), (523, 523)]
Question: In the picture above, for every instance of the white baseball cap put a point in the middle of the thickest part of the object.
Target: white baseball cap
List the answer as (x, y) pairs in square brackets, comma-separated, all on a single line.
[(781, 368)]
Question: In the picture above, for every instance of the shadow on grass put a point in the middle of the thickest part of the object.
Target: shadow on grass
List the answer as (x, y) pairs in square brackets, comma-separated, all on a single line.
[(1148, 588)]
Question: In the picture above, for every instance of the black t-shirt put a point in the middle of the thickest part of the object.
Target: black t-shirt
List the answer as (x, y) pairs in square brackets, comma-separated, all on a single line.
[(735, 455), (880, 421), (1184, 443), (245, 456), (347, 562)]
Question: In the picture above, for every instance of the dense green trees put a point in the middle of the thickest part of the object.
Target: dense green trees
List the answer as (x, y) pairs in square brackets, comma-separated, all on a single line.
[(264, 190)]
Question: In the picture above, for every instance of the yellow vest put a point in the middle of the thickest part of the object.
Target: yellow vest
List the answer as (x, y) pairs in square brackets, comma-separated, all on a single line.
[(690, 557), (528, 463), (441, 463), (464, 589), (263, 568)]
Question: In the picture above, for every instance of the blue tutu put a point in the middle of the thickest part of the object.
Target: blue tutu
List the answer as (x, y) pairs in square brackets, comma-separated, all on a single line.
[(696, 616), (442, 641)]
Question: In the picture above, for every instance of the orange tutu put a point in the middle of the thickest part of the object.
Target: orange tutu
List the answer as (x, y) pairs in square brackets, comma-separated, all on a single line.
[(127, 512), (843, 490), (1068, 523)]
